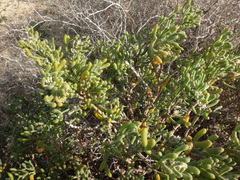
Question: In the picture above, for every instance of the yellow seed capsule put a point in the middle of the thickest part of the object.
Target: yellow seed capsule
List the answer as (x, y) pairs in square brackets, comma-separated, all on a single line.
[(190, 148), (163, 53), (213, 81), (40, 150), (186, 118), (188, 137), (59, 104), (132, 84), (31, 177), (84, 107), (188, 124), (154, 62), (82, 77), (98, 115), (56, 98), (158, 59), (144, 124), (157, 177), (151, 111), (178, 51)]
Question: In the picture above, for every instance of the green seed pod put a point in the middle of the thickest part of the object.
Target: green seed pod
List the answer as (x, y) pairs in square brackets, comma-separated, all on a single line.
[(210, 55), (213, 103), (103, 165), (182, 34), (217, 44), (213, 137), (13, 169), (222, 157), (154, 156), (170, 156), (203, 144), (105, 65), (10, 176), (115, 66), (66, 39), (22, 139), (26, 133), (180, 149), (109, 174), (227, 46), (151, 143), (187, 176), (144, 133), (183, 159), (166, 169), (199, 134), (148, 152), (206, 161), (193, 170), (219, 90), (228, 160), (205, 115), (225, 170), (215, 150), (205, 166), (28, 52), (207, 174), (176, 173), (48, 98), (61, 65), (174, 29), (174, 44)]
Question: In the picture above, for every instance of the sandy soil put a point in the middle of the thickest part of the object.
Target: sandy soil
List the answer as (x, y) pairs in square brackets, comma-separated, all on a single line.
[(14, 17)]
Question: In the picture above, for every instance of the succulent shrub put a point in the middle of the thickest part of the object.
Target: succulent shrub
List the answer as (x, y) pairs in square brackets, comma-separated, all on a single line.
[(146, 97)]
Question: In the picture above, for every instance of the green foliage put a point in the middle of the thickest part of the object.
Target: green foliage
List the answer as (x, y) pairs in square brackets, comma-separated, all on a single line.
[(145, 95)]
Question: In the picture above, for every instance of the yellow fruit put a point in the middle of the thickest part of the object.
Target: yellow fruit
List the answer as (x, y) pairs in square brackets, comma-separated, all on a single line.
[(40, 150), (84, 166), (151, 111), (177, 51), (188, 124), (163, 53), (132, 84), (154, 62), (157, 177), (82, 77), (59, 104), (98, 115), (188, 137), (84, 107), (190, 149), (31, 177), (186, 118)]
